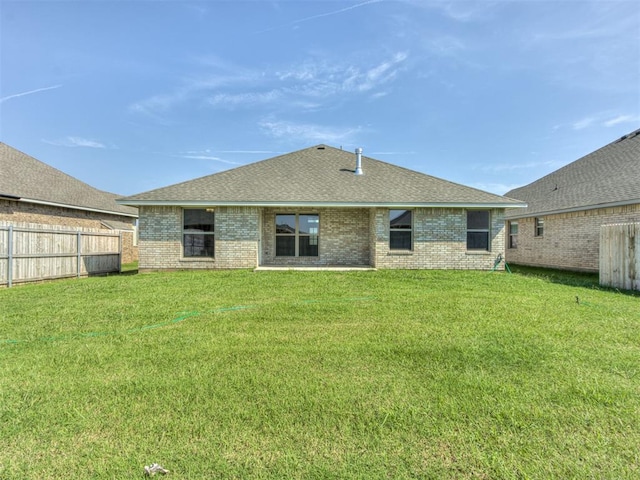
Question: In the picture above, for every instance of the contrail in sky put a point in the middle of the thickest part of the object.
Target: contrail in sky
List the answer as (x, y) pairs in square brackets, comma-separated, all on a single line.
[(335, 12), (4, 99)]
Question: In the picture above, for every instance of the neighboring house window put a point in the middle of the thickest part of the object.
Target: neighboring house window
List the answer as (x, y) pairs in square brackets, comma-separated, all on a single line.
[(513, 234), (297, 235), (478, 229), (539, 227), (198, 232), (400, 227)]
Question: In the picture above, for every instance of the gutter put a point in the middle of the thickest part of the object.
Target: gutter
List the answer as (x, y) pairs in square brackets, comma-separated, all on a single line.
[(195, 203), (74, 207), (574, 209), (4, 196)]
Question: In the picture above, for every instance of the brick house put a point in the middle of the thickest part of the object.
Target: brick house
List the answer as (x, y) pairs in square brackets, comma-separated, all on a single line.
[(560, 228), (320, 206), (36, 193)]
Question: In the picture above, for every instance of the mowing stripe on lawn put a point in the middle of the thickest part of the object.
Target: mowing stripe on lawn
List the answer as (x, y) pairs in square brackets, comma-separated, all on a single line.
[(183, 316)]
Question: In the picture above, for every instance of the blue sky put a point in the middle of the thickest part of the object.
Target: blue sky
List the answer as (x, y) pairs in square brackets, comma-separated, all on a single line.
[(133, 95)]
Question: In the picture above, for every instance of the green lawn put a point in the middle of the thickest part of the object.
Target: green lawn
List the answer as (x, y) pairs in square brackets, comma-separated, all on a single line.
[(305, 375)]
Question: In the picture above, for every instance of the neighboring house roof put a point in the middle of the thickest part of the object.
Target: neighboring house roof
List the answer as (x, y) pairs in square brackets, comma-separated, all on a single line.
[(609, 176), (23, 178), (320, 176)]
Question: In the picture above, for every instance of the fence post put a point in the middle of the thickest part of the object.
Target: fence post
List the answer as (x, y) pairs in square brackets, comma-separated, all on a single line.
[(79, 249), (10, 257), (120, 253)]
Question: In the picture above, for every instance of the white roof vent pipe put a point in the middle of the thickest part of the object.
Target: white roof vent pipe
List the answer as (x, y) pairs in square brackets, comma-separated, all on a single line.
[(358, 161)]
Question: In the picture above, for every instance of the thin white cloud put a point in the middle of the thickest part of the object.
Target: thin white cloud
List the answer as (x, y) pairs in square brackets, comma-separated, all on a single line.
[(307, 132), (600, 119), (193, 88), (260, 152), (445, 45), (30, 92), (209, 157), (569, 35), (622, 119), (75, 142), (583, 123), (307, 86), (323, 79), (382, 73), (509, 167), (497, 188), (605, 21), (159, 103), (393, 153), (379, 95), (320, 15), (232, 100), (597, 50), (457, 10), (198, 152)]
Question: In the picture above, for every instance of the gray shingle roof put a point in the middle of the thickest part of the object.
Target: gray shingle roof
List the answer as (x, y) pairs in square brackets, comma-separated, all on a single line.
[(23, 177), (319, 175), (608, 176)]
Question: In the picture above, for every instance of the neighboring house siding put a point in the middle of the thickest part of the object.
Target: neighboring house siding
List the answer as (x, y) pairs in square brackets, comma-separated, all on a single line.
[(439, 241), (343, 237), (23, 212), (570, 241), (160, 243)]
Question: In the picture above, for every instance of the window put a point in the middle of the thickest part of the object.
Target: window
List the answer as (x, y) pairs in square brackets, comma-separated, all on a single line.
[(198, 232), (478, 230), (297, 235), (539, 227), (400, 229), (513, 234)]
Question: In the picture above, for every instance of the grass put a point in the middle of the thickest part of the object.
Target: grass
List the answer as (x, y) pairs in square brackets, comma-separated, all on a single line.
[(389, 374), (130, 267)]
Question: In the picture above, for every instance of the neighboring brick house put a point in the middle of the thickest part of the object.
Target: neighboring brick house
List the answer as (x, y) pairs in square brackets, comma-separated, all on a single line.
[(560, 228), (320, 206), (34, 192)]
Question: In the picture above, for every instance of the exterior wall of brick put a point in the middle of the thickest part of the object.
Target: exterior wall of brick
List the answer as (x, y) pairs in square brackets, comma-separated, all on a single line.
[(439, 241), (343, 237), (23, 212), (571, 241), (347, 236), (374, 235), (236, 239), (129, 249)]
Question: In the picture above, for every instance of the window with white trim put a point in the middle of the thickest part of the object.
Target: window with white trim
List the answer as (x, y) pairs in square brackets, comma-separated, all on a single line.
[(539, 222)]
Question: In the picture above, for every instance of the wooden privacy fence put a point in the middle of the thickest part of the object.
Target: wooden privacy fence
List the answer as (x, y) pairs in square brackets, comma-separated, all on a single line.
[(620, 256), (38, 252)]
